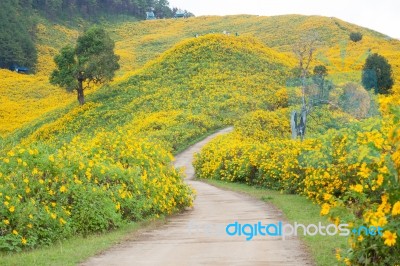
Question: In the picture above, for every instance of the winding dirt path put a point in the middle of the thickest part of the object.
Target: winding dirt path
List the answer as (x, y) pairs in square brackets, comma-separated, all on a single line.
[(197, 236)]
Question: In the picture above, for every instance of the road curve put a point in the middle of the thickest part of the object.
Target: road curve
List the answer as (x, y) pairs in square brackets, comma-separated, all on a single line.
[(197, 236)]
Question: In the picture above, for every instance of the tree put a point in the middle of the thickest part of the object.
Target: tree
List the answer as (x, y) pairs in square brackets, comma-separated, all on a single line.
[(377, 74), (92, 60), (304, 50), (356, 36), (320, 72)]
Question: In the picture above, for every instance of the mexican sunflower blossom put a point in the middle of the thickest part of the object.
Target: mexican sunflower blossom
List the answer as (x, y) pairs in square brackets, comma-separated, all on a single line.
[(325, 209), (390, 238), (357, 188), (396, 208)]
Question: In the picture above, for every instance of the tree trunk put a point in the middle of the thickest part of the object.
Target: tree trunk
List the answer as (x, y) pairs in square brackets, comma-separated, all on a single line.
[(81, 95), (293, 125)]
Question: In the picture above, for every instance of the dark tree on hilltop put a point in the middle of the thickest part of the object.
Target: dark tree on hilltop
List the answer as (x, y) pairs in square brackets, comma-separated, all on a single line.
[(356, 36), (377, 74), (91, 61)]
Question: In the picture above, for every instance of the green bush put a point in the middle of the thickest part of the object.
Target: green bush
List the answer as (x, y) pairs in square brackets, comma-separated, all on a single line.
[(356, 36)]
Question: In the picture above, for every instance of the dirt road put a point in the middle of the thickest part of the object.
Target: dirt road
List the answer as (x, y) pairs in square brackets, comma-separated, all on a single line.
[(198, 237)]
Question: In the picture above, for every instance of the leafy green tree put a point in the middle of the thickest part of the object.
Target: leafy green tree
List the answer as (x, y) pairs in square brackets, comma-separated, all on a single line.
[(356, 36), (320, 70), (377, 74), (92, 60)]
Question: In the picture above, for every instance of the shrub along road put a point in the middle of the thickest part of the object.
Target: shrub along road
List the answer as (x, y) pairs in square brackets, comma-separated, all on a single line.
[(197, 236)]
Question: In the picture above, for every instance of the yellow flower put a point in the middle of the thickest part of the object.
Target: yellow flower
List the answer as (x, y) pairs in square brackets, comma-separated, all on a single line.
[(384, 198), (382, 221), (6, 222), (30, 216), (327, 196), (325, 209), (360, 238), (53, 216), (62, 221), (15, 232), (396, 209), (12, 209), (357, 188), (390, 238), (63, 189), (387, 208), (30, 226), (35, 171), (338, 257), (379, 181), (24, 241)]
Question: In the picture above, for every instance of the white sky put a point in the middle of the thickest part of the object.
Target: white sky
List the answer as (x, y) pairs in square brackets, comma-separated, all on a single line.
[(379, 15)]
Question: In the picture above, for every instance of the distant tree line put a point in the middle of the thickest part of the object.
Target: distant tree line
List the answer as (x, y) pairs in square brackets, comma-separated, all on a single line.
[(17, 23), (90, 8), (16, 35)]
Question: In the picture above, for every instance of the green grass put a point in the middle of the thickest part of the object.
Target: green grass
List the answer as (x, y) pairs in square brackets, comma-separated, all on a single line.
[(77, 249), (298, 209)]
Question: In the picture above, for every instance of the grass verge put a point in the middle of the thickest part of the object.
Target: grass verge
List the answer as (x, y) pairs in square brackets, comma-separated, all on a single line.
[(78, 249), (298, 209)]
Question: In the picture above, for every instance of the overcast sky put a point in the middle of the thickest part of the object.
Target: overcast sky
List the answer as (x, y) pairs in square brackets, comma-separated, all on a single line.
[(379, 15)]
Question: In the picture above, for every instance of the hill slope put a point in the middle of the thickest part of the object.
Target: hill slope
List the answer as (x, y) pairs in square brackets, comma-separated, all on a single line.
[(139, 42), (200, 84), (115, 152)]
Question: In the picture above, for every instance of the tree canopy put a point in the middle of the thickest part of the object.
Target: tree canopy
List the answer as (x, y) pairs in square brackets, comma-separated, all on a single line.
[(356, 36), (92, 60), (93, 8), (377, 74), (16, 38), (17, 21)]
